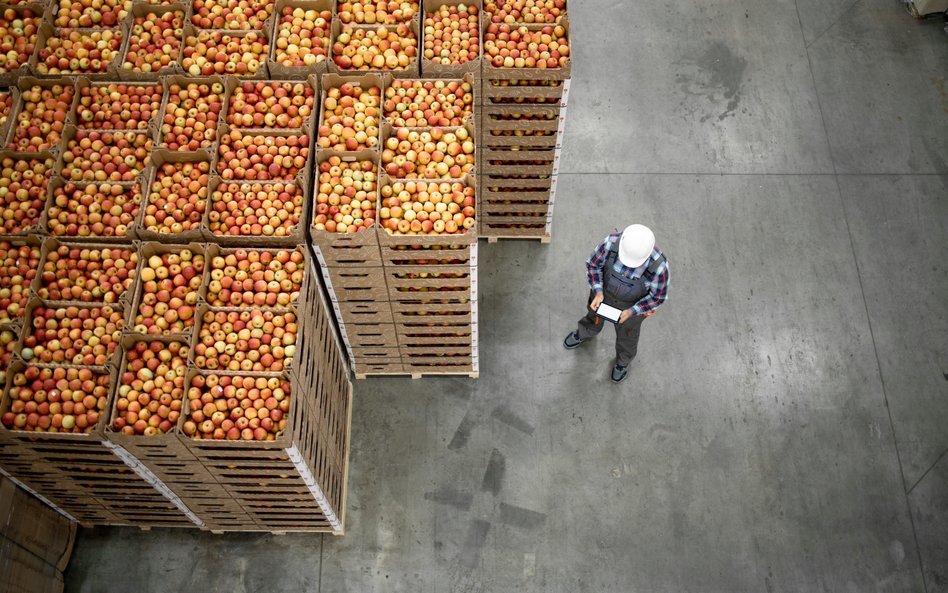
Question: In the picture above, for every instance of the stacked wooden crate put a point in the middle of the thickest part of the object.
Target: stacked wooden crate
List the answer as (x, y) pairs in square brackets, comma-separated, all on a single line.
[(522, 116)]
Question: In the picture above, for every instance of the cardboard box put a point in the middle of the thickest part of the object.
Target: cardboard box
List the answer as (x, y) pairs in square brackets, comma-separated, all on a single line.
[(193, 36), (432, 69), (411, 71), (278, 70), (22, 572), (34, 526), (128, 71)]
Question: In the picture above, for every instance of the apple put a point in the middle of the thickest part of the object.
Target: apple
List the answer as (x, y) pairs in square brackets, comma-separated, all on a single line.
[(81, 336), (257, 156), (428, 103), (18, 31), (118, 106), (375, 48), (23, 185), (39, 124), (376, 12), (79, 51), (437, 153), (255, 277), (18, 267), (191, 115), (271, 105), (170, 288), (246, 340), (86, 274), (155, 42), (350, 118), (512, 46), (151, 388), (255, 209), (525, 11), (217, 52), (427, 208), (57, 399), (106, 156), (240, 15), (87, 14), (345, 196), (235, 407), (178, 197), (451, 35), (93, 209), (302, 37)]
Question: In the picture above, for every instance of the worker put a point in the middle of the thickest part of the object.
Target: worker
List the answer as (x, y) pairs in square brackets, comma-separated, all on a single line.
[(628, 281)]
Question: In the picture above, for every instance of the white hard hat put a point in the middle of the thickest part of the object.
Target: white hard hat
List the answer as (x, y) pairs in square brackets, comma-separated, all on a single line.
[(636, 245)]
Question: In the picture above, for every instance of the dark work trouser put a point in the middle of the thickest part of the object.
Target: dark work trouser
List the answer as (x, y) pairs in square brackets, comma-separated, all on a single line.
[(627, 334)]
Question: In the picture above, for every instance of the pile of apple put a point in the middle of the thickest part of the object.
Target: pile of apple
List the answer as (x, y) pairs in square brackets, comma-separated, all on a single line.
[(82, 336), (57, 399), (151, 388), (191, 115), (525, 11), (23, 185), (429, 154), (106, 156), (155, 42), (216, 52), (278, 105), (177, 198), (79, 51), (236, 408), (376, 12), (512, 46), (6, 106), (18, 268), (39, 124), (17, 37), (118, 106), (350, 118), (87, 14), (93, 209), (380, 48), (170, 285), (250, 277), (264, 157), (302, 37), (451, 35), (434, 259), (87, 274), (427, 208), (247, 340), (424, 103), (8, 343), (255, 210), (236, 15), (345, 196)]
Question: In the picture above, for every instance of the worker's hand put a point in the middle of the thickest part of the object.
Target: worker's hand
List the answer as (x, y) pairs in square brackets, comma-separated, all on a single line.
[(597, 300), (624, 316)]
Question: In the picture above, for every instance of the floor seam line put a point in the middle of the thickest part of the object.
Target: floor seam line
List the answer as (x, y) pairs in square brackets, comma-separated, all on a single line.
[(807, 46), (865, 302), (712, 174), (927, 471), (319, 582)]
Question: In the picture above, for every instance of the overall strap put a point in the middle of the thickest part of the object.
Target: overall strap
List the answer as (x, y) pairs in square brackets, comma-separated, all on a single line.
[(613, 252), (655, 265)]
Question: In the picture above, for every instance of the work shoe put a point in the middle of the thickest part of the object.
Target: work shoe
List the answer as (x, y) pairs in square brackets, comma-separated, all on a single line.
[(572, 341), (619, 373)]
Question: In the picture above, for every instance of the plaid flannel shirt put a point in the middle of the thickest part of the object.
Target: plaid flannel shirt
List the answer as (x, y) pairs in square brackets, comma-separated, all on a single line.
[(658, 286)]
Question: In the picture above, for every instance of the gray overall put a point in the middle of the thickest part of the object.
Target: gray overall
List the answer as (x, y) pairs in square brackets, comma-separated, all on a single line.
[(622, 293)]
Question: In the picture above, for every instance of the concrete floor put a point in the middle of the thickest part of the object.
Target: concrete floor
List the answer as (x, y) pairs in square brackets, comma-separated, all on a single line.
[(784, 427)]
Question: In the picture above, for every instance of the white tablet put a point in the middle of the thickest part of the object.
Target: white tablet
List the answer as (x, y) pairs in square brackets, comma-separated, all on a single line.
[(609, 312)]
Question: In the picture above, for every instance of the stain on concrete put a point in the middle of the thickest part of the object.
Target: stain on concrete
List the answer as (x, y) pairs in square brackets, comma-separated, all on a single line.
[(717, 76), (494, 476), (508, 417), (520, 517), (450, 497), (463, 432), (942, 90), (470, 554)]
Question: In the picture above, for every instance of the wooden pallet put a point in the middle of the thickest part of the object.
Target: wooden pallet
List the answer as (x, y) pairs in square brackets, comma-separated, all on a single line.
[(541, 238), (472, 375)]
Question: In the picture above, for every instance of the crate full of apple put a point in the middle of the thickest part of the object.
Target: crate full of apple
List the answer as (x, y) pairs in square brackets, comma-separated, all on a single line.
[(451, 39), (420, 207), (236, 407), (350, 117), (346, 194)]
